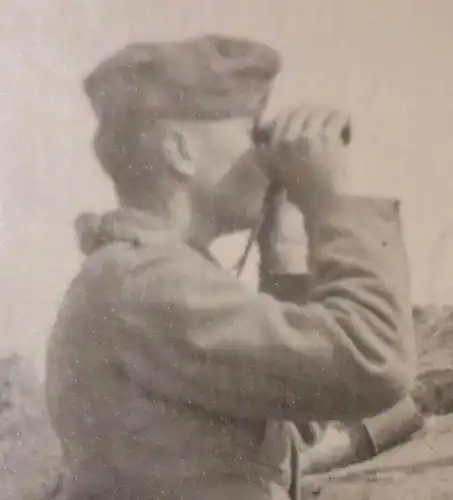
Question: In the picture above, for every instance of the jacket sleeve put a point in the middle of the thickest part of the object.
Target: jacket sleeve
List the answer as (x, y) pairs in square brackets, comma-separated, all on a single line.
[(394, 426), (203, 338)]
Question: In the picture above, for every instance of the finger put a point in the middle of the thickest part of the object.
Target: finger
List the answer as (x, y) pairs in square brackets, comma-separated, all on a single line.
[(307, 129), (316, 124), (281, 125), (328, 119), (278, 125), (288, 122), (301, 122), (310, 124), (298, 123)]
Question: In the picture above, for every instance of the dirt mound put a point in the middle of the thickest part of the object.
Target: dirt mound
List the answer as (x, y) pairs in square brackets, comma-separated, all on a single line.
[(434, 388), (421, 469), (29, 450)]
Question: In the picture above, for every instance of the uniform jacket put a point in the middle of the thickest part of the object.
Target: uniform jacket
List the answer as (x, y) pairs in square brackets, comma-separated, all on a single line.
[(168, 376)]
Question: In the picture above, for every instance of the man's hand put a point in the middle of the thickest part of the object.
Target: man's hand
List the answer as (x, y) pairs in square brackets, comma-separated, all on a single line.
[(305, 155), (339, 446)]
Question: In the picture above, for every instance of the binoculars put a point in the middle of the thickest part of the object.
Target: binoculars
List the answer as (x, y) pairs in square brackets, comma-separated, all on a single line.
[(261, 136)]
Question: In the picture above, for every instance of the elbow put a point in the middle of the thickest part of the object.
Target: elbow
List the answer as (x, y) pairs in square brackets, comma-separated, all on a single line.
[(372, 381), (361, 391), (396, 386), (385, 365), (392, 376), (383, 388)]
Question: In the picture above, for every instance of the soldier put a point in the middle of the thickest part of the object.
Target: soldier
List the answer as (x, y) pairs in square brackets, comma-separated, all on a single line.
[(167, 378)]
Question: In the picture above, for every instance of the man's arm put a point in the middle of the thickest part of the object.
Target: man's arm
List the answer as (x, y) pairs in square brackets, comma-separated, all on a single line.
[(203, 338), (280, 275)]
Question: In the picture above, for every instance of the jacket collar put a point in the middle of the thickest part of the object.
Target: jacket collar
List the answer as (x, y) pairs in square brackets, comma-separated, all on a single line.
[(95, 231)]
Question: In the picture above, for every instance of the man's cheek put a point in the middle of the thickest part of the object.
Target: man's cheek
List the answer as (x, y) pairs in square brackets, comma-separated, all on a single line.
[(245, 190), (246, 182), (246, 208)]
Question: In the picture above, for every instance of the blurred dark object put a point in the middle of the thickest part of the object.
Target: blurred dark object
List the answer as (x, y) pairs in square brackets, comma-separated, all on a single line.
[(433, 391), (261, 136), (30, 454)]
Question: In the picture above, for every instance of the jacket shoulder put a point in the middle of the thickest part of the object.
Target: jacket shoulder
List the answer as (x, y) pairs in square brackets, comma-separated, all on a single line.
[(122, 269)]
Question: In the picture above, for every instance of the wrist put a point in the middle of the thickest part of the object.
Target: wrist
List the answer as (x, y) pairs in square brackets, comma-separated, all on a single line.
[(362, 445), (394, 426)]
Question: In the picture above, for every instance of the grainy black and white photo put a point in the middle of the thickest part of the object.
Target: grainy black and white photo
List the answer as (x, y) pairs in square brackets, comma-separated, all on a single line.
[(226, 250)]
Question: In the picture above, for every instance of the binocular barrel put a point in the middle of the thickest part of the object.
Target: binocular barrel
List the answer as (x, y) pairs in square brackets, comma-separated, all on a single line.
[(262, 135)]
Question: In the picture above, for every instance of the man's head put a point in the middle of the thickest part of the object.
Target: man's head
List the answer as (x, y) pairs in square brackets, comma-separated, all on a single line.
[(176, 118)]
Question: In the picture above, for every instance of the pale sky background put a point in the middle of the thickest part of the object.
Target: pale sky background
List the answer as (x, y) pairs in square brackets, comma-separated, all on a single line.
[(388, 62)]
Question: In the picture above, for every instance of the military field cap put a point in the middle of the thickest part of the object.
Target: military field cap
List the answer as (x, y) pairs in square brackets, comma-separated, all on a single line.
[(210, 77)]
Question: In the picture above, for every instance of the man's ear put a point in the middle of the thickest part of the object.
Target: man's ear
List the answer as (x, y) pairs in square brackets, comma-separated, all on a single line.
[(179, 153)]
